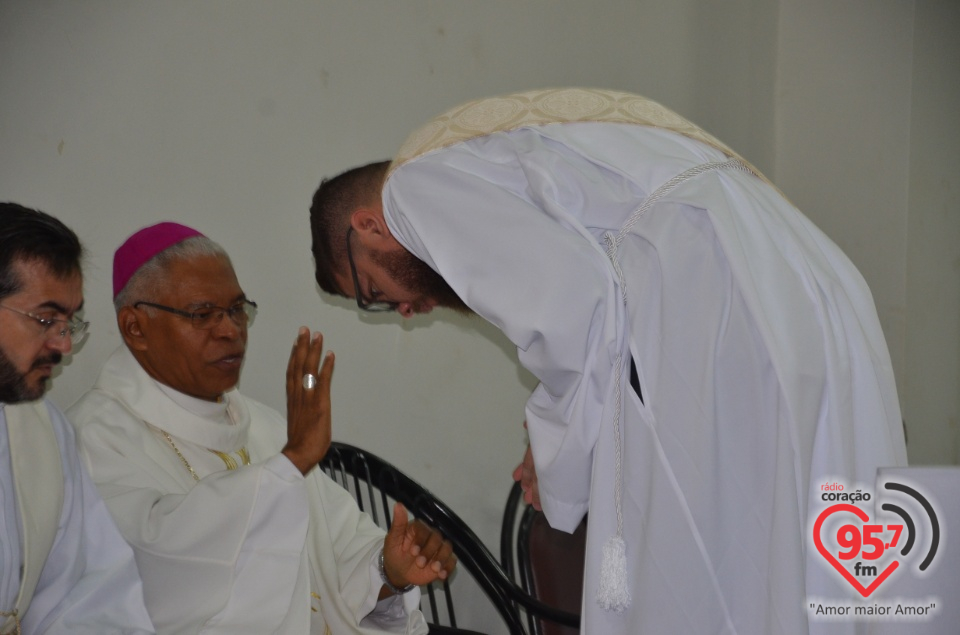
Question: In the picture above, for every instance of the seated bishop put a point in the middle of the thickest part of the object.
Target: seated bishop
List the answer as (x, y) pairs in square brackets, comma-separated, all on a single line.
[(234, 528)]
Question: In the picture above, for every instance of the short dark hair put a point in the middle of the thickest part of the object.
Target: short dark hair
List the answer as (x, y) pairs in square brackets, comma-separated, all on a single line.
[(28, 235), (333, 202)]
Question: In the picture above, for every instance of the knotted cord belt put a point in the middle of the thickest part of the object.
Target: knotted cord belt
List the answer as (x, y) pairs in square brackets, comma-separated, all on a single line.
[(613, 594)]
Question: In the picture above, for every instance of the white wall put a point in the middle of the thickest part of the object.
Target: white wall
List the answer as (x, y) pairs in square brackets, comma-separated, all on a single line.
[(843, 132), (931, 369), (868, 146), (226, 114)]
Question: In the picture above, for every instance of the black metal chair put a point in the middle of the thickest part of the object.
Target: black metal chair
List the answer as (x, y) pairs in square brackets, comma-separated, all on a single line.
[(548, 563), (376, 484)]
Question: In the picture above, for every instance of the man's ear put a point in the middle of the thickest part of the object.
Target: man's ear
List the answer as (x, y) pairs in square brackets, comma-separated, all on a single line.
[(130, 322), (369, 224)]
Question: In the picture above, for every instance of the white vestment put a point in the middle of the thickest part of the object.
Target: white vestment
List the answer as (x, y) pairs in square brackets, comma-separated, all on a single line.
[(762, 368), (88, 582), (258, 549)]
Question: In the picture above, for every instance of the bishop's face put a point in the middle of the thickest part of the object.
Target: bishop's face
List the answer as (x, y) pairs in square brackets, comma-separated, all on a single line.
[(203, 363)]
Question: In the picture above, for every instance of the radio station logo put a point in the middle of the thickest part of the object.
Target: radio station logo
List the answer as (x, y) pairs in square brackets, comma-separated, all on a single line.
[(901, 537)]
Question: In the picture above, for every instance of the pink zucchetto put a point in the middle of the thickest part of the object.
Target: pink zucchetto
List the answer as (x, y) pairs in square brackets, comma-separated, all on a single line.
[(144, 245)]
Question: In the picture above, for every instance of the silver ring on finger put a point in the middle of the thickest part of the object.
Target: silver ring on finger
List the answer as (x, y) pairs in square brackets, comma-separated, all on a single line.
[(309, 381)]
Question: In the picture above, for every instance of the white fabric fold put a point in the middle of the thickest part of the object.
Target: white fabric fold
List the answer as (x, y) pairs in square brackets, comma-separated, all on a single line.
[(761, 361), (259, 549), (88, 582)]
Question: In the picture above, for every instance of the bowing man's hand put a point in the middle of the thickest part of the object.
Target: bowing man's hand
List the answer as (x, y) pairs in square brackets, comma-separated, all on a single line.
[(308, 408), (414, 553), (526, 473)]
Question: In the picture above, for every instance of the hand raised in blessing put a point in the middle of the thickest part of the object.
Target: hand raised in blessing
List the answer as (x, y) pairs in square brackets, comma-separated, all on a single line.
[(308, 402)]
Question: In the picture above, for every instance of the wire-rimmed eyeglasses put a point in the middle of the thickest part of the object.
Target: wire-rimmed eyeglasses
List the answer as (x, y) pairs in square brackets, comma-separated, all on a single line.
[(374, 306), (75, 328), (204, 318)]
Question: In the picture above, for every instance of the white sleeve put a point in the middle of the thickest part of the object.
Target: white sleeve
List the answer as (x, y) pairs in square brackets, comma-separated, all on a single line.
[(346, 545), (392, 611), (199, 551), (513, 254), (89, 584)]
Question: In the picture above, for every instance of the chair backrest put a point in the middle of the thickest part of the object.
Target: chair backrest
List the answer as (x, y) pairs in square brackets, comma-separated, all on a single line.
[(548, 563), (376, 484)]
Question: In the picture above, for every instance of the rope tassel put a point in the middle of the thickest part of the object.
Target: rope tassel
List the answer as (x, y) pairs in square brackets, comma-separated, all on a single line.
[(613, 594)]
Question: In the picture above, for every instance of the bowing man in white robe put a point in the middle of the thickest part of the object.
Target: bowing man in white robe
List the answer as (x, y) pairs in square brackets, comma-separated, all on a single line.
[(234, 528), (707, 357), (64, 568)]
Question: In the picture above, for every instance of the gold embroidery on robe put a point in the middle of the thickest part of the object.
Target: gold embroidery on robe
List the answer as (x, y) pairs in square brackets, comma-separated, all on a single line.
[(548, 106)]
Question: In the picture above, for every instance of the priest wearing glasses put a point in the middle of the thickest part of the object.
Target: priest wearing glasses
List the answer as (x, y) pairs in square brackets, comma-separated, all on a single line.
[(63, 566)]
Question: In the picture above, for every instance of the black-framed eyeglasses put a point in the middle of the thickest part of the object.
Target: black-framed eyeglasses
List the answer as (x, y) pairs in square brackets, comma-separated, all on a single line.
[(75, 328), (205, 318), (374, 306)]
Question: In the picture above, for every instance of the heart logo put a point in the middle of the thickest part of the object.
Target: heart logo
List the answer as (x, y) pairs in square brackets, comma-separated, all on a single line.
[(855, 540)]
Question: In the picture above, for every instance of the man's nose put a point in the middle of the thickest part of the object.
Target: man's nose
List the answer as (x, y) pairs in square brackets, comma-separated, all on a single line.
[(227, 327), (61, 343)]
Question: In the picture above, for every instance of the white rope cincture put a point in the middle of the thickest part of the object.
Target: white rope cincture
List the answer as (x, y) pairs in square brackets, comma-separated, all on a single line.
[(613, 592), (613, 242)]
